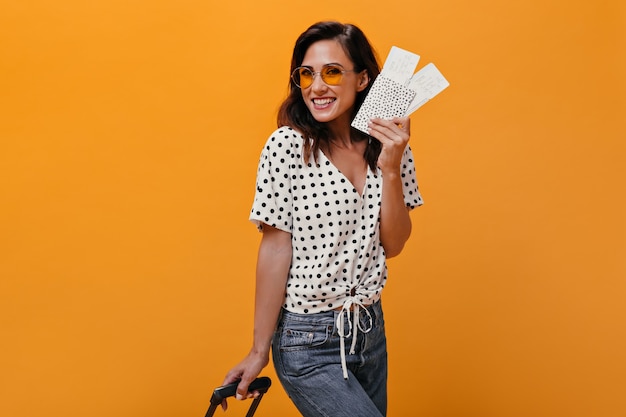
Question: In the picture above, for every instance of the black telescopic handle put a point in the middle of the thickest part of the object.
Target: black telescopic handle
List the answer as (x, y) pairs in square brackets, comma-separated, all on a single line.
[(261, 384)]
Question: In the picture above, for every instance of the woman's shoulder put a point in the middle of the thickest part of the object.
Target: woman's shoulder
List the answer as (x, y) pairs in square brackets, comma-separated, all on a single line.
[(284, 135), (287, 133)]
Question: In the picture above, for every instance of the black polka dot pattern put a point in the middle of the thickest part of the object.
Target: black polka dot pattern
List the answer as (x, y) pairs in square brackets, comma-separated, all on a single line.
[(334, 229)]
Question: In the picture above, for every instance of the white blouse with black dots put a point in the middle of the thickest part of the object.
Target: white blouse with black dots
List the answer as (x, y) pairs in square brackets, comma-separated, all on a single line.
[(335, 230)]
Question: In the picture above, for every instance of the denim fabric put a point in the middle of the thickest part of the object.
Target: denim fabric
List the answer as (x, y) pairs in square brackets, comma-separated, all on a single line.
[(307, 359)]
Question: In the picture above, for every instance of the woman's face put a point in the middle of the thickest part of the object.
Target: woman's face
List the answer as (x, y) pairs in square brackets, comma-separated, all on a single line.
[(331, 103)]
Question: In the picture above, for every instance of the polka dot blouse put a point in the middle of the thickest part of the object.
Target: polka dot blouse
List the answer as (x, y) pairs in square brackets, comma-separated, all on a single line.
[(335, 230)]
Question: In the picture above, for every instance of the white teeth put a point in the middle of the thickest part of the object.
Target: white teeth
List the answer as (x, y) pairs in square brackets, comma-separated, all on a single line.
[(322, 101)]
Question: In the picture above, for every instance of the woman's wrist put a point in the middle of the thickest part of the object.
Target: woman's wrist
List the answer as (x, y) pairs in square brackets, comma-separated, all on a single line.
[(391, 174), (261, 350)]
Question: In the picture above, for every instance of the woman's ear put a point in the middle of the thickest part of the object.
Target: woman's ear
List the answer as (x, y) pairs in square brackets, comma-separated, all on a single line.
[(364, 80)]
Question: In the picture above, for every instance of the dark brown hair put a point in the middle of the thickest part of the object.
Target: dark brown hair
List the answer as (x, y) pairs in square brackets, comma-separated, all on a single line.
[(294, 113)]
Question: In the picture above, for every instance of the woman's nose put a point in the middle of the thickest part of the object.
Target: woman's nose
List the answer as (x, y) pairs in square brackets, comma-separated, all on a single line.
[(318, 83)]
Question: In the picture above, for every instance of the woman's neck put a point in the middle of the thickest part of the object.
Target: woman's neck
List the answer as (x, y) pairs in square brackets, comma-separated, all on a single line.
[(340, 134)]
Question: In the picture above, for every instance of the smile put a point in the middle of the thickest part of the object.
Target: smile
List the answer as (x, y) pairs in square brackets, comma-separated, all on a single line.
[(322, 102)]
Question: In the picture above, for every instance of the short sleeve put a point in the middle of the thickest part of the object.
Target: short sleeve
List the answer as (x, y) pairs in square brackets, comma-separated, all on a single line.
[(410, 189), (273, 199)]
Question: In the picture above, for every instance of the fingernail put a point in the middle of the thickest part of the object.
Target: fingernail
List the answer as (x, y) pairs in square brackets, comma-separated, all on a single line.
[(239, 396)]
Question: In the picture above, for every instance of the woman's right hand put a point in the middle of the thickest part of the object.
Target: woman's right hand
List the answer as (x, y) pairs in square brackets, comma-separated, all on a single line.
[(246, 371)]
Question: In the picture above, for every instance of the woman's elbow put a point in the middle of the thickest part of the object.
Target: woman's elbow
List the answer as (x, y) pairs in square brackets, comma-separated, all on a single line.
[(393, 240), (395, 246), (393, 250)]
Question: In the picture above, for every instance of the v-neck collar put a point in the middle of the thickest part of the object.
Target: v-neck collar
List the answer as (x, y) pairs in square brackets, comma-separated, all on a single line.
[(367, 175)]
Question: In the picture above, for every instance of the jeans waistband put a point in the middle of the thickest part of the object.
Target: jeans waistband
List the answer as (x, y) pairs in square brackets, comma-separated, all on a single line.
[(375, 310)]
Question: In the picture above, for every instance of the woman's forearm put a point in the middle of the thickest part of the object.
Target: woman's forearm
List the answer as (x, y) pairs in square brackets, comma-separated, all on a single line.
[(395, 223), (272, 269)]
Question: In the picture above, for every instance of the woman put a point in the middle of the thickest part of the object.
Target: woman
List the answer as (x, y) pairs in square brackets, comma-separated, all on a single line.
[(332, 203)]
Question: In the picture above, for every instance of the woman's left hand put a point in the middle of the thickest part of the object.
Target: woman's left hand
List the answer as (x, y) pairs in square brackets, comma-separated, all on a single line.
[(393, 135)]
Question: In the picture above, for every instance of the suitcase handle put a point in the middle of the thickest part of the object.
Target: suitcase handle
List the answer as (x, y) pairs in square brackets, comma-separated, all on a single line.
[(261, 384)]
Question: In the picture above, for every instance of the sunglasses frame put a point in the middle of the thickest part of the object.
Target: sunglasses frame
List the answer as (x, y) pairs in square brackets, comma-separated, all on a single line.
[(320, 73)]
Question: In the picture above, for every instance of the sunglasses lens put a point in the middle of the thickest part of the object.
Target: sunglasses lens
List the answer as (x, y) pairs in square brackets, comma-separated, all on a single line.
[(332, 75), (303, 77)]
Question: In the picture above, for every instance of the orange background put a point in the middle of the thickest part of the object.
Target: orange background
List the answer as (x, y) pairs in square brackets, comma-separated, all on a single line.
[(129, 137)]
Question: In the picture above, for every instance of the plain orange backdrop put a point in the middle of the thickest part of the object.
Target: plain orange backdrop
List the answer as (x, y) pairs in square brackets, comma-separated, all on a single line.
[(129, 137)]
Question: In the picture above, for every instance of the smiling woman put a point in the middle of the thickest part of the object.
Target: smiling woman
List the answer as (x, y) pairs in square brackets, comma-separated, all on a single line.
[(332, 207), (130, 134)]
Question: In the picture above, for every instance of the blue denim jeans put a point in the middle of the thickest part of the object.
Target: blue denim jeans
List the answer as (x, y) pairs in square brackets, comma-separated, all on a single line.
[(306, 355)]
